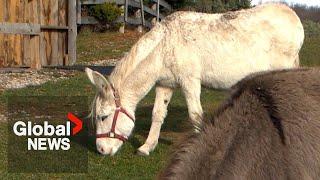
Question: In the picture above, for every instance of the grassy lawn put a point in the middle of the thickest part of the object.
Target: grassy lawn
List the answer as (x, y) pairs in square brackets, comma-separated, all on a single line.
[(126, 164), (100, 46)]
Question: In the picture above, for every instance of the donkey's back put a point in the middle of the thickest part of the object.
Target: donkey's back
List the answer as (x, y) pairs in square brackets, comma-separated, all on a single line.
[(221, 49), (268, 129)]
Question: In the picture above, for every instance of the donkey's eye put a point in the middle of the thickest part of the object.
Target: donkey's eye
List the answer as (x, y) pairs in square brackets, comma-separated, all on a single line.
[(103, 118)]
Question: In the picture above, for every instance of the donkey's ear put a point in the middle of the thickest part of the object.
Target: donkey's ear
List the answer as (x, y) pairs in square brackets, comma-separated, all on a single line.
[(97, 79)]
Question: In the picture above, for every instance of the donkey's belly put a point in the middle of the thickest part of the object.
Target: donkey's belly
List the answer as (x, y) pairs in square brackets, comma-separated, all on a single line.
[(170, 82), (221, 82), (225, 76)]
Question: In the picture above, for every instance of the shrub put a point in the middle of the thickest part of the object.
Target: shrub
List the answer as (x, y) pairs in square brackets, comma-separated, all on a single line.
[(310, 54), (106, 13), (311, 28), (212, 6)]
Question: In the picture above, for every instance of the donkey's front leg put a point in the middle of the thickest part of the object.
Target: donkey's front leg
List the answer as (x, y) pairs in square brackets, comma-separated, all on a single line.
[(192, 91), (163, 96)]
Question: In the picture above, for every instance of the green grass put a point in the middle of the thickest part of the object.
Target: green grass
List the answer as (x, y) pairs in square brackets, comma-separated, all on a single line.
[(100, 46), (126, 164), (310, 52)]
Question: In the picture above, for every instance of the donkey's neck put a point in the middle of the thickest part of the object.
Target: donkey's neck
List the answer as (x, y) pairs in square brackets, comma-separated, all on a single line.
[(135, 83), (138, 71), (138, 53), (125, 67)]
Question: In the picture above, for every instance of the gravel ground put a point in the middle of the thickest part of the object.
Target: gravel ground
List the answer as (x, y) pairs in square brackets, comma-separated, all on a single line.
[(14, 80), (105, 62), (3, 118), (20, 78)]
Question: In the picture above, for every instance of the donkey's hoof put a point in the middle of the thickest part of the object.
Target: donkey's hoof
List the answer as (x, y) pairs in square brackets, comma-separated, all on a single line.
[(143, 152)]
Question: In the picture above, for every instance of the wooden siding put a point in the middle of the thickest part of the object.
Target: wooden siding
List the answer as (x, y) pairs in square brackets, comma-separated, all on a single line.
[(20, 46)]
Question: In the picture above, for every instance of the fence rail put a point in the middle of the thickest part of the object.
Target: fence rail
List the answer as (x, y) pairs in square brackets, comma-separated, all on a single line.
[(138, 4), (37, 33)]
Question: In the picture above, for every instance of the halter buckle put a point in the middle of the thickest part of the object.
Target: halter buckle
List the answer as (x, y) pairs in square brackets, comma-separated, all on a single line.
[(111, 134)]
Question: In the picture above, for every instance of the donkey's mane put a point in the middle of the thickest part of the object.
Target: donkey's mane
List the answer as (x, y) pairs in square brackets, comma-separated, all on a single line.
[(138, 53), (257, 85)]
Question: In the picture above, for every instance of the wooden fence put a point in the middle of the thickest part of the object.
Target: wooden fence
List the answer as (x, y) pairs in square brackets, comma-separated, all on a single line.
[(153, 11), (36, 33)]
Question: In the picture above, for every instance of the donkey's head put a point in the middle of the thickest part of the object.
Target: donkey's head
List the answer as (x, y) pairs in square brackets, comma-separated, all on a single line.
[(113, 123)]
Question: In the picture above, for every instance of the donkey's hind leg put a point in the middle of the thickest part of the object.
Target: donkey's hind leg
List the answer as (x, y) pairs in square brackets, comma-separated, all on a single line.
[(163, 96), (192, 91)]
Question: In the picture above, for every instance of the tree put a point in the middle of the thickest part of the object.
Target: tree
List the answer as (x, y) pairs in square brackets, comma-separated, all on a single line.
[(217, 6), (243, 4), (213, 6)]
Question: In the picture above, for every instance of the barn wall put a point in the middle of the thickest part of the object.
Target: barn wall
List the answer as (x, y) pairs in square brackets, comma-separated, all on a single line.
[(49, 47)]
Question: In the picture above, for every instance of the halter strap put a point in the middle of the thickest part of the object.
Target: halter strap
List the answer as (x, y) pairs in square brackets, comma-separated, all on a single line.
[(112, 133)]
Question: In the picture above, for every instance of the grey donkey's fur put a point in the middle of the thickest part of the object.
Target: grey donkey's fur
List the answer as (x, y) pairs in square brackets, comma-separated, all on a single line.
[(268, 129)]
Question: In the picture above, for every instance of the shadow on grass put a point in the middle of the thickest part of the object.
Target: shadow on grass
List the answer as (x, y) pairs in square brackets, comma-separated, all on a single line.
[(176, 121), (136, 143)]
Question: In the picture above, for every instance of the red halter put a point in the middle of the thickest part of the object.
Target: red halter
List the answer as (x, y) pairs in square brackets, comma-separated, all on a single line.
[(112, 133)]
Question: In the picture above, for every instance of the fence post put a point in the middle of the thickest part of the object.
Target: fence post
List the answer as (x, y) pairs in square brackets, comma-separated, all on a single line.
[(137, 16), (154, 19), (72, 32), (142, 12), (125, 11), (79, 11), (158, 10), (121, 29)]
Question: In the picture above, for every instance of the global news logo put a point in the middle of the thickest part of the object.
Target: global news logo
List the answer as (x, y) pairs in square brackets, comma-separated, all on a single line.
[(46, 136)]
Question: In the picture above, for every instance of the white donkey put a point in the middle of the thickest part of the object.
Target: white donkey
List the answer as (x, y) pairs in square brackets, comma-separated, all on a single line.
[(187, 50)]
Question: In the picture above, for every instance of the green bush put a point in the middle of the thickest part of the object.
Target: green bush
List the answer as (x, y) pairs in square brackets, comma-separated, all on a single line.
[(311, 28), (310, 54), (212, 6), (105, 13)]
